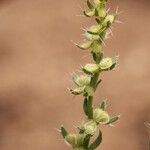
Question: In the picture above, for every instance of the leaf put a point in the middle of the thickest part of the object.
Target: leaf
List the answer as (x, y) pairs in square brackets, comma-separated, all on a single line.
[(85, 106), (113, 119), (86, 141), (97, 142), (64, 132), (103, 105)]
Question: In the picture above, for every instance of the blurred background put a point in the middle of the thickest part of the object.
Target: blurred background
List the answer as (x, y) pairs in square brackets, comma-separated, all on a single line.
[(36, 62)]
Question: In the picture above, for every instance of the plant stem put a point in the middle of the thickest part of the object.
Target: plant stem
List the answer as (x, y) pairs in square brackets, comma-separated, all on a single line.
[(93, 83), (94, 80)]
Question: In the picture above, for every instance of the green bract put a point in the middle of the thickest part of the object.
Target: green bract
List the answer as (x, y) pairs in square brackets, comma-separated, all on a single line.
[(87, 83), (85, 45)]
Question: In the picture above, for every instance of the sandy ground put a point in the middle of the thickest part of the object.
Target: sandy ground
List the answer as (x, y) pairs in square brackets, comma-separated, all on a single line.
[(36, 62)]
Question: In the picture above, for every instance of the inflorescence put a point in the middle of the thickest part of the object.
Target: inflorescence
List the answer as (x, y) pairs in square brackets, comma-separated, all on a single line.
[(87, 83)]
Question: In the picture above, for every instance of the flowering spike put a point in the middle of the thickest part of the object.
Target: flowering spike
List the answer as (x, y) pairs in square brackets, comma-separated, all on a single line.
[(88, 82)]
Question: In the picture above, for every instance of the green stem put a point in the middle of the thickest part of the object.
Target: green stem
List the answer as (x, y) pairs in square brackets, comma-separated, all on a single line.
[(93, 83), (94, 80)]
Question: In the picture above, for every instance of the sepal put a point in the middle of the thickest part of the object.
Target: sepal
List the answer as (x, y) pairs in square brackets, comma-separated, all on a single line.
[(85, 45), (103, 105), (113, 119), (109, 20), (78, 90), (90, 13), (92, 36)]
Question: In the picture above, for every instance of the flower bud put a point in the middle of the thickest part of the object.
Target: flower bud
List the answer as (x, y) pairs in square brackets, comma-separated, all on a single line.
[(102, 12), (92, 36), (94, 29), (83, 80), (106, 63), (109, 20), (90, 127), (78, 90), (91, 68), (85, 45), (75, 140), (100, 116)]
